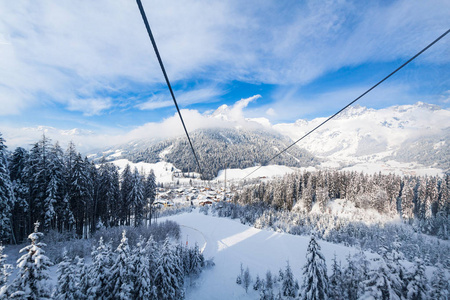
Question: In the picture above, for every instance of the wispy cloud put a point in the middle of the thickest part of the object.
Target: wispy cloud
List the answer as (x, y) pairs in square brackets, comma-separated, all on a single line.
[(185, 98), (58, 48), (292, 104), (89, 106)]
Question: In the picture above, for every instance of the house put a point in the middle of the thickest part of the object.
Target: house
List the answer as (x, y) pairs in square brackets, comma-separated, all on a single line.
[(205, 202)]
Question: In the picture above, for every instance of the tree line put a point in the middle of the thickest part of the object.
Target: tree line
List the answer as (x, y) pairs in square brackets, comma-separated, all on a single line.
[(420, 200), (146, 270), (66, 192)]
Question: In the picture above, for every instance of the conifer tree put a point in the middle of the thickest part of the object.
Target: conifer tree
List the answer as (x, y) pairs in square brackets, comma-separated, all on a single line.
[(257, 284), (6, 195), (83, 281), (351, 279), (67, 280), (136, 197), (150, 192), (100, 286), (288, 285), (17, 168), (5, 272), (196, 262), (307, 196), (336, 280), (141, 277), (80, 193), (407, 206), (122, 270), (395, 270), (168, 275), (378, 285), (439, 284), (31, 281), (418, 287), (246, 279), (315, 279), (125, 190)]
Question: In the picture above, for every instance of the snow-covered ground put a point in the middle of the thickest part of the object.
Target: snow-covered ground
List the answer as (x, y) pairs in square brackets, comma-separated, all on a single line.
[(394, 167), (231, 243)]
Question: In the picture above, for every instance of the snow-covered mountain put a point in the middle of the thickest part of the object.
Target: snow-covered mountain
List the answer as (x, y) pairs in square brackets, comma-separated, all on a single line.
[(416, 135), (407, 139), (217, 149)]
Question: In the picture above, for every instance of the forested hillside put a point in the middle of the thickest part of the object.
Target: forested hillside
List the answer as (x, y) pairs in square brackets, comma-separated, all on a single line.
[(224, 148)]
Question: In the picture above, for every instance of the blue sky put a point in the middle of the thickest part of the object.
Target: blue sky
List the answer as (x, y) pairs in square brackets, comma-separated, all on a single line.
[(90, 64)]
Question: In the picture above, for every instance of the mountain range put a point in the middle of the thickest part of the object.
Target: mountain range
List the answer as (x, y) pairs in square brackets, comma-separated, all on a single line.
[(402, 138)]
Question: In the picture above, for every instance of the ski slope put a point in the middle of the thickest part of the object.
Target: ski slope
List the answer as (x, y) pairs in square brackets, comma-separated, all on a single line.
[(229, 242)]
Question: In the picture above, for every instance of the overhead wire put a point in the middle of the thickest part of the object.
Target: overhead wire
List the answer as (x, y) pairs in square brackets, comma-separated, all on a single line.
[(352, 102), (152, 39)]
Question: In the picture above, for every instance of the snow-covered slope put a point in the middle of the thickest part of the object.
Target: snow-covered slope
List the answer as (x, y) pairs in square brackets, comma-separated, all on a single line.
[(417, 134), (231, 243)]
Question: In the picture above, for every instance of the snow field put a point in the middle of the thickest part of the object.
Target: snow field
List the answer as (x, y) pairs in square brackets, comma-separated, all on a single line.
[(231, 243)]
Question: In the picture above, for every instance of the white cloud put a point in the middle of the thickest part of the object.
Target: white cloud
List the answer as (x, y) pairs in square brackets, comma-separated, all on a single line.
[(189, 97), (271, 112), (89, 106), (291, 104), (64, 49), (87, 141)]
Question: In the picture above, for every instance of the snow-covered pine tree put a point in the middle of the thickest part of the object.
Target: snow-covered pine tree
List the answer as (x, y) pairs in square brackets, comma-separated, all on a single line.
[(350, 279), (239, 277), (439, 284), (82, 270), (420, 207), (136, 197), (418, 287), (407, 197), (100, 286), (141, 278), (246, 279), (6, 195), (444, 194), (363, 264), (31, 281), (322, 197), (193, 261), (288, 284), (257, 284), (125, 190), (168, 275), (122, 271), (80, 193), (395, 269), (20, 188), (378, 286), (67, 279), (315, 279), (5, 272), (54, 203), (269, 280), (336, 280), (150, 192), (308, 195)]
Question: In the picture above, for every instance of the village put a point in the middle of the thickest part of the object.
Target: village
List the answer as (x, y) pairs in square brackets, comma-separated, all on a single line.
[(192, 195)]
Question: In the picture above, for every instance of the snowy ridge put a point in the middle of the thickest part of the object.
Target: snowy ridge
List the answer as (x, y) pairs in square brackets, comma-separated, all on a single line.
[(363, 136)]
